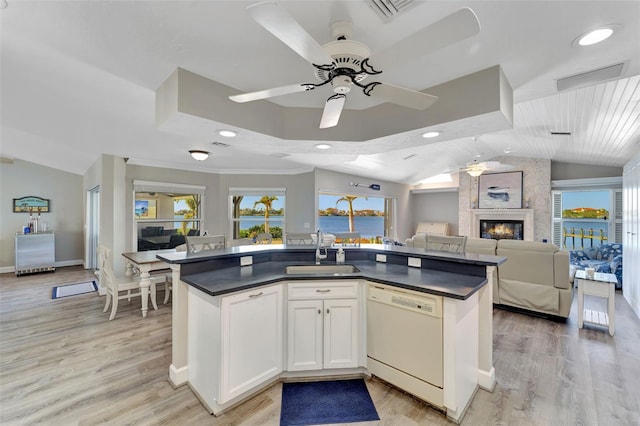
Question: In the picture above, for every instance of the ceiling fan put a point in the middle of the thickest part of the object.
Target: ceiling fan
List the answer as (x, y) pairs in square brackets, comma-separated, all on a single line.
[(344, 63), (476, 168)]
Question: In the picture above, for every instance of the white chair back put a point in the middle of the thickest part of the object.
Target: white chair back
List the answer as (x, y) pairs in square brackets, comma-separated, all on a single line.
[(264, 238), (450, 244), (210, 242), (298, 238), (240, 242)]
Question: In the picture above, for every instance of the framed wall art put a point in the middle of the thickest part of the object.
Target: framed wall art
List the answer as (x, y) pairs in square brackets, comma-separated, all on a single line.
[(500, 190), (145, 209), (31, 204)]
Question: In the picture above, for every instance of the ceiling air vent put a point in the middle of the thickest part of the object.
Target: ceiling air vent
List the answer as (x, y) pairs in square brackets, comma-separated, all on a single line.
[(560, 133), (590, 77), (220, 144), (387, 9)]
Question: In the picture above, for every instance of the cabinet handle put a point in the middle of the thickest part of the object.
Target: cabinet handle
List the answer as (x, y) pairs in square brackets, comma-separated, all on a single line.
[(323, 291), (327, 310), (255, 295), (319, 311)]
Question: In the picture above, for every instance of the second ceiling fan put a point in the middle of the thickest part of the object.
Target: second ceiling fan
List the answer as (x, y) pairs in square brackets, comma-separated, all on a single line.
[(345, 63)]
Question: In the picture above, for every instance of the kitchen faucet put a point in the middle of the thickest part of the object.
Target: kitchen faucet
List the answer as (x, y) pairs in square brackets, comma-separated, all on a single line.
[(319, 256)]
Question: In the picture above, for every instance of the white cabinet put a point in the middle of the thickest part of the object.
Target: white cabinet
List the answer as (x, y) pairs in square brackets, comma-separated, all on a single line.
[(251, 340), (323, 325), (235, 343)]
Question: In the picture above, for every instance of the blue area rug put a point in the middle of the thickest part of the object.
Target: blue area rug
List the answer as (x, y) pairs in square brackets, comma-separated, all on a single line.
[(336, 401), (73, 289)]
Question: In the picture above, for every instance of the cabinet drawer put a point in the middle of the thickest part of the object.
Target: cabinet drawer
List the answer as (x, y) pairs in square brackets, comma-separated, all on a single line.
[(322, 290)]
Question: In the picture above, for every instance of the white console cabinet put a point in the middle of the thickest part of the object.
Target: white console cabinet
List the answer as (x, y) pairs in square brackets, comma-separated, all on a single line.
[(322, 325), (35, 252)]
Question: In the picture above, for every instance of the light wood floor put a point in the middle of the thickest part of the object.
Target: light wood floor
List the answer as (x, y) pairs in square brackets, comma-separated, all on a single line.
[(63, 363)]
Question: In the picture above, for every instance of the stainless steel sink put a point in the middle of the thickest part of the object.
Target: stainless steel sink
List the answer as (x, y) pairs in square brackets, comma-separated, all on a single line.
[(321, 269)]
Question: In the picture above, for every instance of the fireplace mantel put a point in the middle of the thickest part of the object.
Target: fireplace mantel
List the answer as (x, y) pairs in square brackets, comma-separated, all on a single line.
[(525, 215)]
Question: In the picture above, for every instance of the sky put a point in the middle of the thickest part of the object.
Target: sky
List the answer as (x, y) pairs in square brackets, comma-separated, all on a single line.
[(593, 199)]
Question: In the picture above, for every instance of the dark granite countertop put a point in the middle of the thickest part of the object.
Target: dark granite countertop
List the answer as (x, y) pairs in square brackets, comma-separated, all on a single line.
[(217, 272), (228, 280)]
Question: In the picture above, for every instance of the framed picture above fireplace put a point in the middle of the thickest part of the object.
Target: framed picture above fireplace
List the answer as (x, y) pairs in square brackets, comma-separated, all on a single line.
[(500, 190)]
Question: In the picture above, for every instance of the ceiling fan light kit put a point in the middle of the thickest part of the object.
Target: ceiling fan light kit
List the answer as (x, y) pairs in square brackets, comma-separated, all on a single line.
[(344, 63)]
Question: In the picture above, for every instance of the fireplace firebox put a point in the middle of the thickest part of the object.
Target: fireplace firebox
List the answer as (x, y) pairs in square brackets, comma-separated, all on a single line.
[(502, 229)]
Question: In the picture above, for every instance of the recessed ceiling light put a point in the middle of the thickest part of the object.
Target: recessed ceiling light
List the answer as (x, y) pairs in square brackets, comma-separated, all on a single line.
[(322, 146), (431, 134), (227, 133), (596, 36)]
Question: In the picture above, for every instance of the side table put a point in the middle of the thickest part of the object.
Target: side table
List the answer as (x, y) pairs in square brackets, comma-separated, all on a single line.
[(601, 285)]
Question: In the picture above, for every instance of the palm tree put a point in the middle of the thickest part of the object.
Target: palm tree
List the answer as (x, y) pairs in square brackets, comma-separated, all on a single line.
[(267, 200), (194, 206), (349, 199)]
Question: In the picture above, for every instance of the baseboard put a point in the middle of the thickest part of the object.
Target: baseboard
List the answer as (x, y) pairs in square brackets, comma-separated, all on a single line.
[(634, 307), (487, 379), (61, 264), (178, 376)]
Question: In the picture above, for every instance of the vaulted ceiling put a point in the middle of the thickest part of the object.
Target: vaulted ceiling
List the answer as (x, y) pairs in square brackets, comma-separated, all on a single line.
[(79, 78)]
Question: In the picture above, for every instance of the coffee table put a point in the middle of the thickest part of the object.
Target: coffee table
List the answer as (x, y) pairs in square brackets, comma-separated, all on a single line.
[(601, 285)]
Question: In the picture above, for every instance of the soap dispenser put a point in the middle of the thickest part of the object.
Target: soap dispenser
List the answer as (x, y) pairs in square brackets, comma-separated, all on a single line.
[(340, 255)]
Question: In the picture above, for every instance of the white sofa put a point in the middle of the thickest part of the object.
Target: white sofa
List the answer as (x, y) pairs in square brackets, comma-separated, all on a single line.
[(535, 276)]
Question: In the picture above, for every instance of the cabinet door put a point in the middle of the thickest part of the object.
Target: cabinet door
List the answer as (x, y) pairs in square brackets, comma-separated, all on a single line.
[(252, 338), (341, 334), (304, 334)]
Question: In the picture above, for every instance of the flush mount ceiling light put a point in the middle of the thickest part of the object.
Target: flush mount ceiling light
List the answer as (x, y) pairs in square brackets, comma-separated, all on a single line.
[(475, 172), (322, 146), (199, 154), (596, 36), (431, 134), (228, 133)]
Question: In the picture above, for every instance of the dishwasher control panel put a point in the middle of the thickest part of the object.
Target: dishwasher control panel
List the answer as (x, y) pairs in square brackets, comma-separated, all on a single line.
[(425, 304)]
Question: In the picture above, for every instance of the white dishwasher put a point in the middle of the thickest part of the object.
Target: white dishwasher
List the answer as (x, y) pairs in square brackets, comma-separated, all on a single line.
[(404, 340)]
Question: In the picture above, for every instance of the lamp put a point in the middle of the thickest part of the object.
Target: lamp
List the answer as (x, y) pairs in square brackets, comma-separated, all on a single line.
[(199, 154), (475, 172)]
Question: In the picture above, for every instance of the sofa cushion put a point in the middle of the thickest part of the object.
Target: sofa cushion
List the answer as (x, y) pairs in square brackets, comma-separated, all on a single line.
[(578, 255), (529, 296), (608, 251), (482, 246)]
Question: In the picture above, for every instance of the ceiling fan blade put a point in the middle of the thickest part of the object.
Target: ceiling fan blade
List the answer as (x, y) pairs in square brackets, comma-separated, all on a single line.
[(402, 96), (270, 93), (278, 22), (332, 111), (450, 29)]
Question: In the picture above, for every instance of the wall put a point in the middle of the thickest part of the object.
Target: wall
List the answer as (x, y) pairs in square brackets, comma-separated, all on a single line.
[(436, 207), (566, 171), (21, 178), (631, 229), (536, 189), (339, 182)]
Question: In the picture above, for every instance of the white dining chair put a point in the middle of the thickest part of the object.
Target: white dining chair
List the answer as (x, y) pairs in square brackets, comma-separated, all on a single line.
[(168, 285), (298, 238), (450, 244), (210, 242), (264, 238), (114, 286)]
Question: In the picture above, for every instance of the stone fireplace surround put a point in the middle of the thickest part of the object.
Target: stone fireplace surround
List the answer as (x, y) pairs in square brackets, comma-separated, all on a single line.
[(525, 215)]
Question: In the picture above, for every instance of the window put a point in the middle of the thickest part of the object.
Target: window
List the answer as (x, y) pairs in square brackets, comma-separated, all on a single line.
[(257, 210), (371, 216), (164, 213), (586, 218)]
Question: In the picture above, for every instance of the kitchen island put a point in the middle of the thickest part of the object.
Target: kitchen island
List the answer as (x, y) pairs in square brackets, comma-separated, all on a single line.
[(246, 316)]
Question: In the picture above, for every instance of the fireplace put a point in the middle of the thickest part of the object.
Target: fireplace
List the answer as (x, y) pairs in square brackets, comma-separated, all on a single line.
[(502, 229)]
